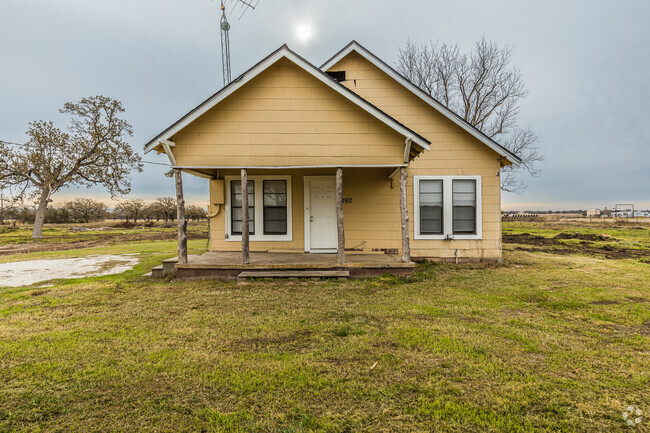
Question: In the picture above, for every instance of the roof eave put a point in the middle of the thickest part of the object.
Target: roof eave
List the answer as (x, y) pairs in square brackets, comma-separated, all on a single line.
[(368, 55), (282, 52)]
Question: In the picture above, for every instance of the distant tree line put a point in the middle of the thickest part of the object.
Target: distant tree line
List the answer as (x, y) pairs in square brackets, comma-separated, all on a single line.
[(85, 210)]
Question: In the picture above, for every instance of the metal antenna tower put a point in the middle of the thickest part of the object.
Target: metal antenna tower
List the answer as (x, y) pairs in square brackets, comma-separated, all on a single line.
[(224, 25), (225, 45)]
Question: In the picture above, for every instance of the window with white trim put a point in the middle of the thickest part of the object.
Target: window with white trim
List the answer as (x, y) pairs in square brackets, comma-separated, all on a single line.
[(269, 208), (447, 207), (236, 207), (464, 202), (431, 201), (275, 207)]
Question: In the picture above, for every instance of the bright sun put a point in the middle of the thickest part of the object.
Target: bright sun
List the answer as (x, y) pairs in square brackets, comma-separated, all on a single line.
[(303, 32)]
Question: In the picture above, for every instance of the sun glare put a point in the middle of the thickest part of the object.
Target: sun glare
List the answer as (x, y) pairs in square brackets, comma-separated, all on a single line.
[(304, 32)]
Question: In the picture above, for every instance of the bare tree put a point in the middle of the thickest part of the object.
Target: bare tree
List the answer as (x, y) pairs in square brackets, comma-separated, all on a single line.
[(93, 152), (131, 209), (167, 207), (482, 88), (195, 213), (86, 209)]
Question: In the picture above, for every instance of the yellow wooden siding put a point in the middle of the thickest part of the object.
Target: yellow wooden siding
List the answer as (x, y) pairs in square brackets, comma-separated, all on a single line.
[(452, 152), (372, 218), (286, 117)]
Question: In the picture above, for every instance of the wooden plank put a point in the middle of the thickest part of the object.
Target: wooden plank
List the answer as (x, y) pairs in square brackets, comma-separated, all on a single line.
[(294, 274), (180, 213), (406, 248), (339, 216), (245, 251)]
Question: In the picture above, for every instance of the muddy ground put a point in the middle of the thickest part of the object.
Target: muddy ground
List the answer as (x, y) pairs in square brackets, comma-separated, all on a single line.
[(586, 245), (105, 239)]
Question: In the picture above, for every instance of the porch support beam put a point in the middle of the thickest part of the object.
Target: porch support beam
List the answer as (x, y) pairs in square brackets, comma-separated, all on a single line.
[(406, 248), (340, 252), (245, 252), (407, 149), (167, 146), (180, 214)]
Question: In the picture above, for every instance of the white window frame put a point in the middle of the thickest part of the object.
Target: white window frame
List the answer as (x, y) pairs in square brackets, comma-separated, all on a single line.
[(447, 209), (259, 235)]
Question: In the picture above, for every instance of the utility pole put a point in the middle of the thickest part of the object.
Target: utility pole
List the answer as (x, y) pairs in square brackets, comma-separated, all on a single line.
[(2, 208)]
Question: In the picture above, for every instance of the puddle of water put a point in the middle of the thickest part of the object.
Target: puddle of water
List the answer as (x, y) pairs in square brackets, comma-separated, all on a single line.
[(28, 272)]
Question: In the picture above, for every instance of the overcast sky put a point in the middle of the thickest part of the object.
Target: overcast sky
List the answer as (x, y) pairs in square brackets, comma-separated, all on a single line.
[(586, 64)]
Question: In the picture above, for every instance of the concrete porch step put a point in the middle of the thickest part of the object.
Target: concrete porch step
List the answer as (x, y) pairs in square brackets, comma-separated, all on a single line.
[(157, 272), (289, 273)]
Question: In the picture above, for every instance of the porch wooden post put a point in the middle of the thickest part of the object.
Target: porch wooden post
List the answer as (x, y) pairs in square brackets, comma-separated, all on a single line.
[(180, 216), (245, 254), (339, 216), (406, 248)]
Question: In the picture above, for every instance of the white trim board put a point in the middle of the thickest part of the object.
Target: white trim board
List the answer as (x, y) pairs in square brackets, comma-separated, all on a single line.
[(447, 209), (285, 52), (363, 52), (281, 167)]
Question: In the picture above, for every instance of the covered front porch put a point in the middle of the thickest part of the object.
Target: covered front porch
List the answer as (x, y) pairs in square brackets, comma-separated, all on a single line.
[(228, 265)]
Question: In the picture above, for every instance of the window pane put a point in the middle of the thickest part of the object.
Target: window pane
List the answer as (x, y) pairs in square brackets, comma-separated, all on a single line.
[(275, 213), (431, 186), (237, 213), (275, 199), (431, 207), (430, 193), (275, 206), (275, 186), (236, 209), (464, 202), (275, 227), (464, 192), (464, 219), (430, 199), (275, 193), (431, 219), (236, 192)]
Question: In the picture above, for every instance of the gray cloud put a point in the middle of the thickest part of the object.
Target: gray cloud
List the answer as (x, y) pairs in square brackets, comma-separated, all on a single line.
[(585, 63)]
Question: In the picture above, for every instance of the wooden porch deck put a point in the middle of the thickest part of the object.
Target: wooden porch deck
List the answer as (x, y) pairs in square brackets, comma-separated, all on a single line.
[(227, 264)]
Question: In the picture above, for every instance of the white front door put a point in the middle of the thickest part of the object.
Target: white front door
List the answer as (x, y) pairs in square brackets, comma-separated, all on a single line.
[(322, 215)]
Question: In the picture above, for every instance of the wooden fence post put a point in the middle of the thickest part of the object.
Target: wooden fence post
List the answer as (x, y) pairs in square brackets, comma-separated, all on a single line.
[(245, 252), (339, 216), (403, 206), (180, 215)]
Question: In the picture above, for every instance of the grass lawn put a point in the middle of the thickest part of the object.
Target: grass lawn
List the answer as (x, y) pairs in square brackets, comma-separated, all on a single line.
[(555, 339)]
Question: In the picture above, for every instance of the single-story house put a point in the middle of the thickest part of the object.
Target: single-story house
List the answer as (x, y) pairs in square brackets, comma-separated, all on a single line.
[(350, 159)]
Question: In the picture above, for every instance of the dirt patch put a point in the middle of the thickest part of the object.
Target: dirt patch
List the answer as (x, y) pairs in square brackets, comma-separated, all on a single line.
[(584, 236), (638, 299), (645, 328), (605, 302), (527, 238), (105, 240), (274, 340), (556, 245)]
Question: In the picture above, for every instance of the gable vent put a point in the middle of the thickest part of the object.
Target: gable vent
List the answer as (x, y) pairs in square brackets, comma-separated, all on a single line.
[(337, 75)]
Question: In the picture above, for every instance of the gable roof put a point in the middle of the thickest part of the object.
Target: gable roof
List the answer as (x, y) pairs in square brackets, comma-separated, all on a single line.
[(280, 53), (366, 54)]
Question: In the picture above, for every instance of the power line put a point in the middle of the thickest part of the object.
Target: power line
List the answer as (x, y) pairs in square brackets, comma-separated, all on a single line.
[(27, 145), (156, 163), (13, 144)]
